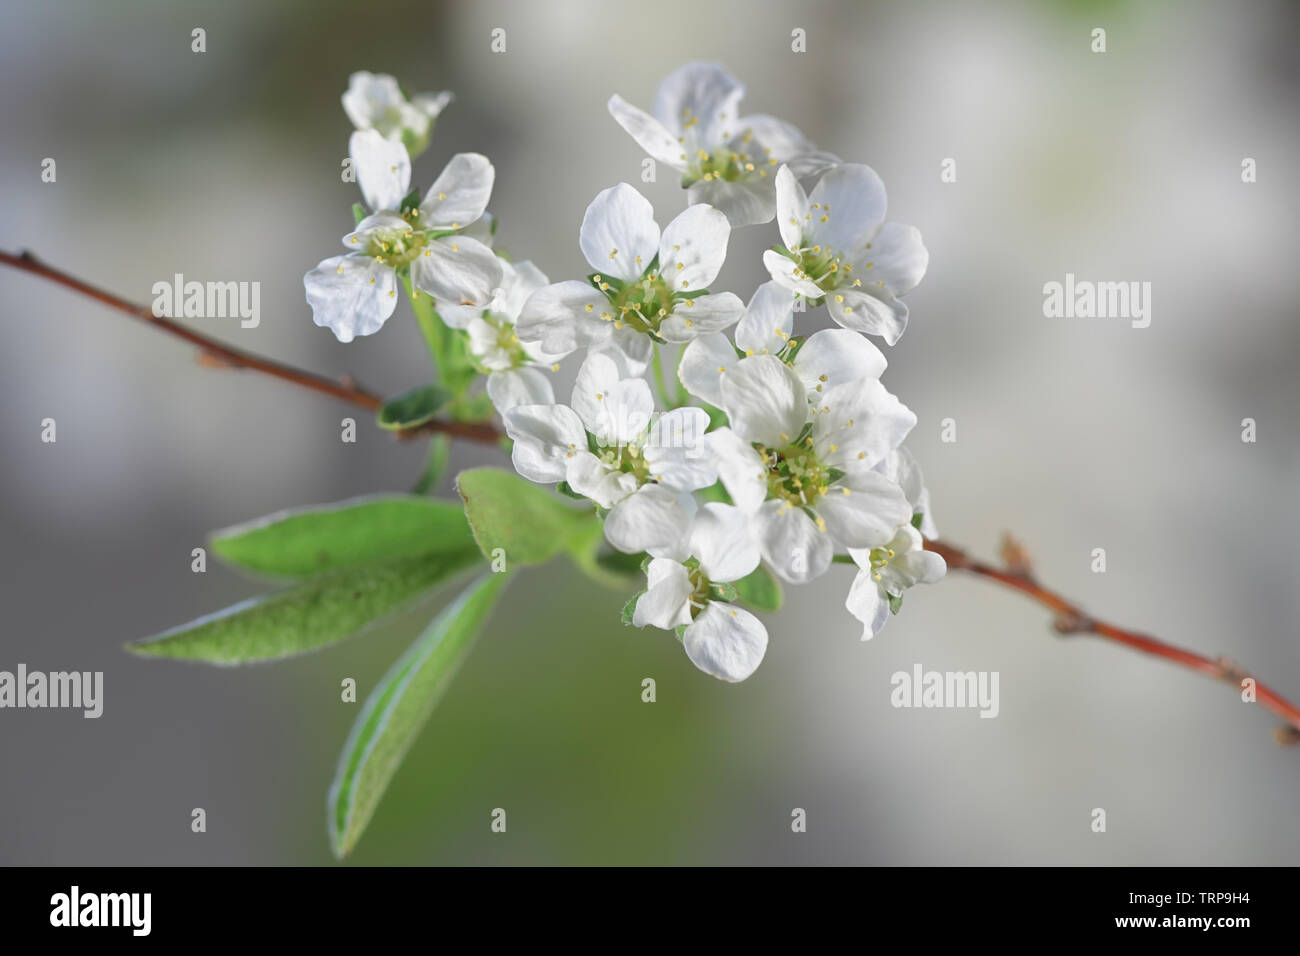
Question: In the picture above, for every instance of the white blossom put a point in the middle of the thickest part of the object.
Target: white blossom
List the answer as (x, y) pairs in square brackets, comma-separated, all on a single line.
[(838, 248), (648, 287), (724, 159), (376, 101)]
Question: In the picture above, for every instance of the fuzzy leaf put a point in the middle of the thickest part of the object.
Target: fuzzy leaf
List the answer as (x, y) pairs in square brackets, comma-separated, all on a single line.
[(397, 709), (525, 520), (760, 590), (306, 617), (304, 541)]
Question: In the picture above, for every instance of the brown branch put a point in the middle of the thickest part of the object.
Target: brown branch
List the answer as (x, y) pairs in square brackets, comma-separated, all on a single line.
[(1018, 574), (215, 355), (1071, 619)]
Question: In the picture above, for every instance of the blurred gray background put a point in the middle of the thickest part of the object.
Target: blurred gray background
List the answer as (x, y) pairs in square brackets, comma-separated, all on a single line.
[(1072, 433)]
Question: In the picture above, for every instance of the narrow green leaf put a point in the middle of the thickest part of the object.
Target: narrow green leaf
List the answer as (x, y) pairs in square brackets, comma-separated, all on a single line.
[(398, 708), (306, 541), (308, 616), (525, 520), (413, 408), (760, 590)]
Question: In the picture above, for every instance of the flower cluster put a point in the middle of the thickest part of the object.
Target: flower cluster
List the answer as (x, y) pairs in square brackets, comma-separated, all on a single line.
[(775, 453)]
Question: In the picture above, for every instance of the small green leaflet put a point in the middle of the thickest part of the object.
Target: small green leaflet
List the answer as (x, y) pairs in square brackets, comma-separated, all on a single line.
[(321, 611), (760, 590), (397, 709), (416, 407)]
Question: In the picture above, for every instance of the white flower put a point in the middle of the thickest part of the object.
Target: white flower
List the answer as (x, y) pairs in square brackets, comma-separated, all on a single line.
[(355, 294), (886, 572), (514, 368), (838, 246), (901, 468), (826, 359), (682, 591), (725, 160), (647, 287), (375, 101), (805, 469), (609, 447)]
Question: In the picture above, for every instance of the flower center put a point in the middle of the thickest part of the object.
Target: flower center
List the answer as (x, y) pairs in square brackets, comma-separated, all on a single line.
[(700, 587), (795, 475), (627, 459), (642, 304), (396, 247), (879, 558)]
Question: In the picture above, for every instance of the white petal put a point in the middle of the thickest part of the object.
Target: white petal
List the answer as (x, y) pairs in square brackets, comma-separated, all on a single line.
[(876, 314), (666, 601), (765, 400), (374, 101), (868, 515), (519, 386), (722, 537), (867, 604), (901, 467), (588, 475), (851, 197), (781, 269), (379, 225), (460, 193), (432, 104), (791, 208), (383, 169), (519, 280), (351, 295), (545, 437), (897, 257), (648, 132), (865, 422), (461, 274), (652, 519), (834, 356), (791, 542), (616, 410), (631, 349), (693, 248), (745, 202), (785, 141), (564, 317), (619, 235), (691, 318), (700, 99), (768, 320), (726, 641), (703, 362), (677, 452), (740, 468)]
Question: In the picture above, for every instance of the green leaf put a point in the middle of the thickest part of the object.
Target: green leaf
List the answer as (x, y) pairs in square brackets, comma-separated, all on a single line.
[(306, 541), (413, 408), (526, 521), (895, 602), (566, 489), (397, 709), (760, 590), (629, 609), (308, 616)]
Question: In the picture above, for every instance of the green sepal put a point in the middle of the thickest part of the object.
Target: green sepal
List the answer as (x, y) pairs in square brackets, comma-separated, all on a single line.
[(917, 520), (895, 602), (358, 213), (566, 489), (723, 591), (629, 609)]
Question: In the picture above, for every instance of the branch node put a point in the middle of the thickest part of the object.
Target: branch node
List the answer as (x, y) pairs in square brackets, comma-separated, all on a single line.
[(1016, 557), (1072, 622), (1286, 735)]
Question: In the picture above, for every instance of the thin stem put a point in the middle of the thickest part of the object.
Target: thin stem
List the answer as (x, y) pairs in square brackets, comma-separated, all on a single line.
[(1070, 618), (660, 382), (223, 356)]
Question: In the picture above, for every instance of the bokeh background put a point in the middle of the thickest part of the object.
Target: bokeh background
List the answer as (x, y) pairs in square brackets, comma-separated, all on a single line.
[(1074, 434)]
